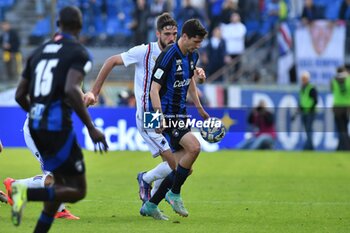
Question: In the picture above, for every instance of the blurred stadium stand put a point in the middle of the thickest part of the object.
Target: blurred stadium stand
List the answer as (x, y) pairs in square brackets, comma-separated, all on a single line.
[(107, 25)]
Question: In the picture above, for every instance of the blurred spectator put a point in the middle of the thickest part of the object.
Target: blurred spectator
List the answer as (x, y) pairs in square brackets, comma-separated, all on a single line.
[(214, 53), (295, 8), (283, 10), (234, 36), (307, 106), (93, 27), (123, 98), (131, 100), (199, 4), (63, 3), (41, 30), (344, 11), (311, 12), (156, 8), (264, 135), (176, 6), (40, 6), (271, 16), (190, 12), (228, 7), (5, 5), (139, 24), (12, 56), (340, 87), (214, 8), (344, 14), (119, 18), (251, 14), (126, 99)]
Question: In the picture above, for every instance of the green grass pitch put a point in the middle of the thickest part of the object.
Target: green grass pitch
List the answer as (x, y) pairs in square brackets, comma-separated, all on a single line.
[(229, 191)]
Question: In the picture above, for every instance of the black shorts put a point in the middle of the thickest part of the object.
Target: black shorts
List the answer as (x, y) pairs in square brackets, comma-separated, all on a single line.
[(60, 151), (173, 136)]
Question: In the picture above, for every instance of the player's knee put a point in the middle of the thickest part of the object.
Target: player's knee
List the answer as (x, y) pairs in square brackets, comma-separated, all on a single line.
[(80, 194), (169, 158), (172, 164), (195, 149)]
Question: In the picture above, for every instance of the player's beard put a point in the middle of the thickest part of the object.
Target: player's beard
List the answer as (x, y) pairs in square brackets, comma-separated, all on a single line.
[(164, 45)]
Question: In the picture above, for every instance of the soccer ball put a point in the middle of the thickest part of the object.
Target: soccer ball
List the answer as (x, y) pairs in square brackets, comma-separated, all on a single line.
[(213, 130)]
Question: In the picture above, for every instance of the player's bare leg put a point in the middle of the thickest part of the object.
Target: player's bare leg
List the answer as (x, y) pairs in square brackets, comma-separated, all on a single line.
[(191, 151), (65, 189)]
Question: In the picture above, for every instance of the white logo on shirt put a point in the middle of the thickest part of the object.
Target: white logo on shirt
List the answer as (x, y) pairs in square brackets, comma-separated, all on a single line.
[(52, 48), (192, 65), (158, 74), (182, 83), (87, 67)]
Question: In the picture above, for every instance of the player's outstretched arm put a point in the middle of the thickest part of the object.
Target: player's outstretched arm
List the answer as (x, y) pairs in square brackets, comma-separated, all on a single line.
[(193, 92), (199, 75), (155, 99), (73, 92), (91, 97), (22, 97)]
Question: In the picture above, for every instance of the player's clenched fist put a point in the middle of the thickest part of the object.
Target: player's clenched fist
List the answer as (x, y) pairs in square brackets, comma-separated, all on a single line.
[(199, 74), (89, 99)]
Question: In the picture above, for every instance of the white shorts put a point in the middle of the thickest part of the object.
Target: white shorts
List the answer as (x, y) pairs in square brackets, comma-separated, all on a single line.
[(31, 145), (156, 142)]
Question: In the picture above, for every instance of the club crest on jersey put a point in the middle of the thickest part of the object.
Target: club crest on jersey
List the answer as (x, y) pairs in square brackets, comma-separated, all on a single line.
[(175, 133)]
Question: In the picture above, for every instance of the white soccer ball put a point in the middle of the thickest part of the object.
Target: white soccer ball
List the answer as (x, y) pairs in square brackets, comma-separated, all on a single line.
[(213, 130)]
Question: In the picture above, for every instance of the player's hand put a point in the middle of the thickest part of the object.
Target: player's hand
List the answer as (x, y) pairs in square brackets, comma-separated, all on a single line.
[(203, 113), (159, 130), (161, 127), (98, 138), (199, 75), (89, 99)]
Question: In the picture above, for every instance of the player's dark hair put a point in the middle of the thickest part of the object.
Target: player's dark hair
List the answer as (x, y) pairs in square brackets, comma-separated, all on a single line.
[(193, 28), (70, 18), (165, 20)]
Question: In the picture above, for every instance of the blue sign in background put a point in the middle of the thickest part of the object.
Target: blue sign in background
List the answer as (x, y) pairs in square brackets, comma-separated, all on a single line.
[(119, 126), (290, 133)]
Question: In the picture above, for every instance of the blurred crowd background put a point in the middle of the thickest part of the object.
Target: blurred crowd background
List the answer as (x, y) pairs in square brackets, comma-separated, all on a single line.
[(266, 59), (243, 47)]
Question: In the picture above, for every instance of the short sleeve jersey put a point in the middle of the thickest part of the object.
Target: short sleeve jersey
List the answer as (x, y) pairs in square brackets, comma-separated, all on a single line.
[(46, 70), (144, 57), (174, 71)]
